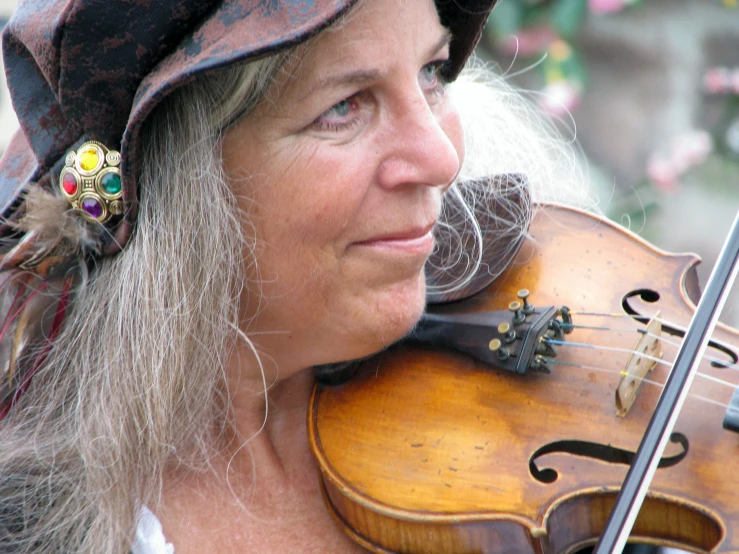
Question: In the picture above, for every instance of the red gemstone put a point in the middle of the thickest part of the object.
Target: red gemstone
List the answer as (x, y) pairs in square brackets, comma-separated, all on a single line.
[(69, 183)]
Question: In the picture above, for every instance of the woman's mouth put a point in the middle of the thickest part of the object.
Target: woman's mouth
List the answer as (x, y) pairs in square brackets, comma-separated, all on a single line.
[(417, 240)]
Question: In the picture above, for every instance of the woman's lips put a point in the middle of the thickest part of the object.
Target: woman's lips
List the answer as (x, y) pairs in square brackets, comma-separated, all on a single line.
[(419, 240)]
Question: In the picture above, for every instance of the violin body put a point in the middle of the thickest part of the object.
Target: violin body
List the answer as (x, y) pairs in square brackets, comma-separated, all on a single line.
[(428, 451)]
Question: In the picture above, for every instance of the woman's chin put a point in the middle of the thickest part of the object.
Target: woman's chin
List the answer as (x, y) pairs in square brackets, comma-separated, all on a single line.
[(355, 323), (389, 319)]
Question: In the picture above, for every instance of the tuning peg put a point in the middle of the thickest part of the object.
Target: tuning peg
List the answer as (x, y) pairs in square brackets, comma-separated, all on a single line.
[(523, 296), (518, 315), (509, 335), (496, 346)]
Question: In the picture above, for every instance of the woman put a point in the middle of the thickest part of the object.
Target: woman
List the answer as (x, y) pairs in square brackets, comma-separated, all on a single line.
[(272, 215)]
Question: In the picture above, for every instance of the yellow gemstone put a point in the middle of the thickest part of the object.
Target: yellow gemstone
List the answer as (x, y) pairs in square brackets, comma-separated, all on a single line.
[(89, 159)]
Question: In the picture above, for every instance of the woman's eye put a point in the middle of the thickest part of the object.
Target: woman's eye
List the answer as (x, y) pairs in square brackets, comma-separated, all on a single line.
[(339, 116), (430, 73), (340, 109), (430, 77)]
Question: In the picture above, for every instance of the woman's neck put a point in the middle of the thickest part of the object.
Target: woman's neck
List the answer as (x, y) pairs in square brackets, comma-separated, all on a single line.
[(263, 493)]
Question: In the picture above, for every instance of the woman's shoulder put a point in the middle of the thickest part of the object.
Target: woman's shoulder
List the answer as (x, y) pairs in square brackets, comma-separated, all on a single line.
[(149, 537)]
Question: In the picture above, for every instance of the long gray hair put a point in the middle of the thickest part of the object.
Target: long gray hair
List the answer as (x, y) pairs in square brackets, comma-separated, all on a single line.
[(136, 381), (122, 394)]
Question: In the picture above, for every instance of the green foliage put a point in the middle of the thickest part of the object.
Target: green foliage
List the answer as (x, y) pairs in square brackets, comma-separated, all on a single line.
[(567, 16)]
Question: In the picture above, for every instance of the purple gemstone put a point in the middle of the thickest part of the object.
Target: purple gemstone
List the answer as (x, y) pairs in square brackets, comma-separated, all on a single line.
[(92, 207)]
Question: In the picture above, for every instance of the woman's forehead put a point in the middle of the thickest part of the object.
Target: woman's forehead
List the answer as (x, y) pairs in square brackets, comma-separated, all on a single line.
[(370, 38)]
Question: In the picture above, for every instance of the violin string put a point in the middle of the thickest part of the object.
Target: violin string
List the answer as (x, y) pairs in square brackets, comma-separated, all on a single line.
[(715, 379), (603, 314), (644, 331), (641, 379), (635, 317), (605, 328), (662, 338), (709, 400), (723, 363), (636, 353), (608, 348)]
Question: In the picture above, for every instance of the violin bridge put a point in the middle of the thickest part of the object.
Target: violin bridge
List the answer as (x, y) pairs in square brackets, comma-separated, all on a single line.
[(647, 352)]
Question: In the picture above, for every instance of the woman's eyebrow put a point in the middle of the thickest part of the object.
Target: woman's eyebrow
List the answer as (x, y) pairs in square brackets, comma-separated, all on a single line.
[(443, 42), (360, 76)]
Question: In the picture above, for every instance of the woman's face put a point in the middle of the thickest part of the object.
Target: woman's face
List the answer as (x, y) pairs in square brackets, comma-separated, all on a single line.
[(340, 172)]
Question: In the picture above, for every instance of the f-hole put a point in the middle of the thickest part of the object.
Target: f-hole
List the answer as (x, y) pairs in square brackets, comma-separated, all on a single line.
[(597, 451), (652, 296)]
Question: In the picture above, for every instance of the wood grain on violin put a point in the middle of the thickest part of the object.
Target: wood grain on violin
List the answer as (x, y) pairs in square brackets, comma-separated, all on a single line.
[(428, 451)]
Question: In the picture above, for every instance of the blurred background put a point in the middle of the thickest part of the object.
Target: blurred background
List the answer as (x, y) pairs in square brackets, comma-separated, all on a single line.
[(652, 87)]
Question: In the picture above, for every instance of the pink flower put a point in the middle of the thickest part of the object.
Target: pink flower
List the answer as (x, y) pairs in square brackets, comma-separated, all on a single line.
[(687, 150), (716, 80), (662, 173), (559, 98), (690, 149), (530, 42), (606, 6)]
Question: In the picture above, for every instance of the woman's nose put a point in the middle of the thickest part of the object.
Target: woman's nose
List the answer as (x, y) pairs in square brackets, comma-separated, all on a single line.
[(424, 146)]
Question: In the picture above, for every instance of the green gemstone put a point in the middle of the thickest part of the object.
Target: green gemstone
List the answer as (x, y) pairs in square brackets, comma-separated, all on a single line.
[(111, 183)]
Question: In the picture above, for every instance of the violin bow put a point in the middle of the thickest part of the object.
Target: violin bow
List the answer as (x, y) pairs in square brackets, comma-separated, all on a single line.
[(634, 488)]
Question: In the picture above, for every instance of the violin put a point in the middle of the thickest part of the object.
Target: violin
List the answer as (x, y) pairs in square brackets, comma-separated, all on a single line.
[(515, 434)]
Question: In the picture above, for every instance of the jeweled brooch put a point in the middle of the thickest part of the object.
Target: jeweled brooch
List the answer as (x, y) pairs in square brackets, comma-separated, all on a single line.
[(91, 181)]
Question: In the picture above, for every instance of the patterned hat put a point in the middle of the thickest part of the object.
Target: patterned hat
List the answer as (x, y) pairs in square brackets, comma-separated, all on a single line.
[(93, 70)]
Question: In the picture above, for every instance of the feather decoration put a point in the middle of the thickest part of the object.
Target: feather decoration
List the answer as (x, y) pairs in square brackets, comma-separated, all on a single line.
[(51, 234), (39, 264), (32, 324)]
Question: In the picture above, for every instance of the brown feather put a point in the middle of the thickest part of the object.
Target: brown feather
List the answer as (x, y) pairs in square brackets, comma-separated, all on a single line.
[(35, 284), (51, 233)]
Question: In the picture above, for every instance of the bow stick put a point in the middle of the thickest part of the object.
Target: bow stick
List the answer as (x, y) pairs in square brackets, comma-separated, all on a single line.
[(653, 444)]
